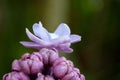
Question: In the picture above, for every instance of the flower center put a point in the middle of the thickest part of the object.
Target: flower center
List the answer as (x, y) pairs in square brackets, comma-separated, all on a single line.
[(53, 36)]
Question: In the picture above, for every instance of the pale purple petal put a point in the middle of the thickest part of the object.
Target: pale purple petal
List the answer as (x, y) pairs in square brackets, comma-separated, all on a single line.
[(65, 47), (62, 44), (36, 39), (41, 32), (53, 36), (63, 30), (67, 50), (33, 37), (60, 40), (75, 38), (31, 45)]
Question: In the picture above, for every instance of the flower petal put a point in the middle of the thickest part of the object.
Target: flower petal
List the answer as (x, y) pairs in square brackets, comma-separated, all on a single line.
[(62, 30), (31, 45), (65, 48), (53, 36), (36, 39), (60, 40), (40, 31), (75, 38)]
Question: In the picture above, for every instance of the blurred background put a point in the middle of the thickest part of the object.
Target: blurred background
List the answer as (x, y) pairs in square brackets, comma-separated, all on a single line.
[(97, 21)]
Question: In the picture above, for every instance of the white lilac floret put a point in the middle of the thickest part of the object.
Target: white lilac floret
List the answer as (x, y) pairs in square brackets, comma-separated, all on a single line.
[(60, 39)]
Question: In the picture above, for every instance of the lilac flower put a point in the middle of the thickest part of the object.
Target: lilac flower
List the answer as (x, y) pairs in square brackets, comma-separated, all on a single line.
[(15, 76), (29, 63), (61, 39), (46, 64)]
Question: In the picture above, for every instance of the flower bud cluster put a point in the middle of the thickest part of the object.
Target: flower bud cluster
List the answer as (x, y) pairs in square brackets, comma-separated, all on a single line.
[(43, 65)]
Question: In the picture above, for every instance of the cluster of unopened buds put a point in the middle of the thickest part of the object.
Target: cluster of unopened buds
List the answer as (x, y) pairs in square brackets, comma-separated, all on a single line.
[(46, 64)]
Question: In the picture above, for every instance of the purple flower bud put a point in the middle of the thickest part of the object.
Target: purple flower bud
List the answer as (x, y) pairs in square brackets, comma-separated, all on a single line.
[(61, 67), (15, 65), (74, 75), (15, 76), (42, 77), (48, 55), (82, 77), (29, 63)]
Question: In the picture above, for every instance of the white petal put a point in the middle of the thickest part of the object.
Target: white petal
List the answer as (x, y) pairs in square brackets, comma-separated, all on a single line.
[(36, 39), (40, 31), (62, 30), (68, 50), (75, 38), (30, 45), (65, 48), (53, 36), (60, 40)]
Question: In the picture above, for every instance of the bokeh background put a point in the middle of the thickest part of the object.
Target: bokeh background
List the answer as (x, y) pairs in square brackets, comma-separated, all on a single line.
[(97, 21)]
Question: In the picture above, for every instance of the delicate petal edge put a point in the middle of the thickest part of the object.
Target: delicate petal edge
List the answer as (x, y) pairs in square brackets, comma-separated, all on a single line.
[(30, 45), (36, 39), (41, 32), (75, 38), (63, 30)]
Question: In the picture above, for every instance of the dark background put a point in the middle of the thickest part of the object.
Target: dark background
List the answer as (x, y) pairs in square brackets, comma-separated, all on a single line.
[(97, 21)]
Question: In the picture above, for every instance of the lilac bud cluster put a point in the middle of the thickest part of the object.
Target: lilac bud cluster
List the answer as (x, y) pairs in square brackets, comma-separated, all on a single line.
[(43, 65), (46, 64)]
